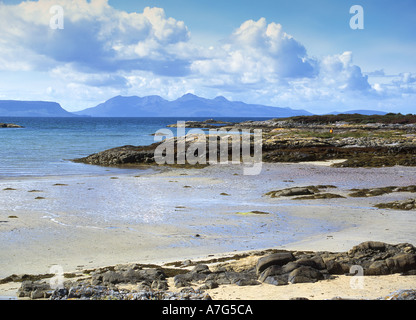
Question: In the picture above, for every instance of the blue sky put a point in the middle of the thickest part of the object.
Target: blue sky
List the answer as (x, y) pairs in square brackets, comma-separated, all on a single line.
[(300, 54)]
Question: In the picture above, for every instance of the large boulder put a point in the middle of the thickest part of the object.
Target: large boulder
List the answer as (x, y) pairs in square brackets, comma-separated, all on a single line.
[(305, 274), (335, 267), (402, 262), (278, 259), (276, 280), (129, 275), (369, 245), (377, 268), (34, 290)]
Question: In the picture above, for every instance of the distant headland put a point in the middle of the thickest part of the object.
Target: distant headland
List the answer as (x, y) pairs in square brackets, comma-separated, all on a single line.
[(188, 105)]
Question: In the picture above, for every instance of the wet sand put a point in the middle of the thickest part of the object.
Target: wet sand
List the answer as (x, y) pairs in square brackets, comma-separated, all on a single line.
[(85, 222)]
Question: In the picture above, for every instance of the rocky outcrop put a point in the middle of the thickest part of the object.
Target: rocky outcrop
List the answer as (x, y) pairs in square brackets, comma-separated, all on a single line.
[(305, 193), (275, 268), (198, 144), (126, 155), (315, 192), (372, 192), (375, 258), (409, 204), (34, 290), (9, 125), (390, 142)]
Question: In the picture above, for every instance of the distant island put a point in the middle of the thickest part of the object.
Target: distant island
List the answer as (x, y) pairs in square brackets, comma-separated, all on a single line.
[(15, 108), (188, 105)]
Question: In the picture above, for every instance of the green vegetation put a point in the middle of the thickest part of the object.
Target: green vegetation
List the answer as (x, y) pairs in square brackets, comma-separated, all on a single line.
[(355, 118), (338, 133)]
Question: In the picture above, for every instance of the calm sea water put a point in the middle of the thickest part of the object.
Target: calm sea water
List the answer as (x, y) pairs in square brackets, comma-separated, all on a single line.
[(45, 145)]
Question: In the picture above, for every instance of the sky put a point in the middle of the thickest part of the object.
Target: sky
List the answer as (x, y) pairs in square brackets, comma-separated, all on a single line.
[(301, 54)]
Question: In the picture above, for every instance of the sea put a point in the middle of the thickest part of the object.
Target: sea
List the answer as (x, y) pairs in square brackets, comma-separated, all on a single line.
[(45, 146)]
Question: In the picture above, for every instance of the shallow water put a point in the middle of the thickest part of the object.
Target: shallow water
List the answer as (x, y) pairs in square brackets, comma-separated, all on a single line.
[(44, 145), (146, 205), (163, 212)]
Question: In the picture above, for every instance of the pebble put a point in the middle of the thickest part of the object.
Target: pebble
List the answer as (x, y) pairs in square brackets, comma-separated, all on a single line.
[(89, 292)]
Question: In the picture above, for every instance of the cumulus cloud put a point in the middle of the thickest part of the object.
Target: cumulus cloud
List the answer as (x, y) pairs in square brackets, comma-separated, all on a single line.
[(339, 72), (257, 52), (103, 51), (95, 37)]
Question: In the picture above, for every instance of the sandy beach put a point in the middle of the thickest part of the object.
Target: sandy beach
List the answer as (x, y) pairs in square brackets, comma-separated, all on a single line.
[(159, 216)]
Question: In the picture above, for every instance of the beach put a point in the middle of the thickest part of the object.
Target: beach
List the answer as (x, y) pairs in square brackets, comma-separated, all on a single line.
[(172, 214)]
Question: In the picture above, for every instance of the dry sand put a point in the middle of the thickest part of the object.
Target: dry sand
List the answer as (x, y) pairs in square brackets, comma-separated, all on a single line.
[(367, 287)]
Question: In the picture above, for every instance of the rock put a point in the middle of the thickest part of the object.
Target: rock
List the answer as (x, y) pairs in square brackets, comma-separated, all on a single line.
[(180, 281), (112, 277), (270, 271), (315, 262), (9, 125), (246, 282), (83, 291), (402, 262), (401, 295), (377, 268), (37, 294), (295, 191), (301, 270), (369, 245), (186, 263), (184, 280), (320, 196), (305, 274), (409, 204), (121, 156), (34, 289), (210, 284), (278, 259), (127, 275), (232, 277), (289, 267), (143, 286), (334, 267), (159, 285), (276, 280), (371, 192), (201, 268)]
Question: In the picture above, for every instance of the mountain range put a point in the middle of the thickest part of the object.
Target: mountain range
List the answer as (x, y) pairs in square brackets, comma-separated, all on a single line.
[(188, 105)]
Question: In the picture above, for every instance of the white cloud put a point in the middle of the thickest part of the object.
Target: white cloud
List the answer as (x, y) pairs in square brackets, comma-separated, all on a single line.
[(257, 52), (96, 37), (339, 72), (103, 52)]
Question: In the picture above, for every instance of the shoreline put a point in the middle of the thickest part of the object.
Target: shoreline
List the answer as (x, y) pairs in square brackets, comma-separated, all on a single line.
[(337, 287), (91, 242)]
